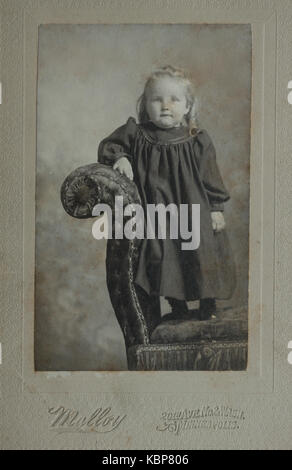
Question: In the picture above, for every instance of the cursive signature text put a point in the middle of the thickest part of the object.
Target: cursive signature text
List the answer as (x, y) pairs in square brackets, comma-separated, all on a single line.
[(101, 420)]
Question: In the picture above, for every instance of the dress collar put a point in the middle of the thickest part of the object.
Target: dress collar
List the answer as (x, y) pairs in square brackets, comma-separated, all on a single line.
[(167, 136)]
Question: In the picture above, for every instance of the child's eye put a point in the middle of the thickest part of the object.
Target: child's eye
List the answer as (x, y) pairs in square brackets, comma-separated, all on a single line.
[(175, 98), (156, 98)]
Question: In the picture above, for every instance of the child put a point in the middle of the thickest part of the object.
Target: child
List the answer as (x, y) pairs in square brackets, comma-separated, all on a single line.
[(172, 161)]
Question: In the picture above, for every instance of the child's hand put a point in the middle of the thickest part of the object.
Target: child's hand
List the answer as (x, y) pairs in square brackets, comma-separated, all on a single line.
[(124, 167), (218, 222)]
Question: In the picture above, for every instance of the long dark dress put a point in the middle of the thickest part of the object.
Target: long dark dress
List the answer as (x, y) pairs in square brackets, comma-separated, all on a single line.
[(170, 166)]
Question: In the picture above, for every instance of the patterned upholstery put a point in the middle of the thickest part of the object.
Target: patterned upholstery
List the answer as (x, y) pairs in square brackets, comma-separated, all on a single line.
[(152, 342), (204, 355), (229, 324)]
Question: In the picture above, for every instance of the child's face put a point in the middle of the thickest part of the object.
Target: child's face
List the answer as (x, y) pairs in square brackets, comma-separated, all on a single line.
[(166, 102)]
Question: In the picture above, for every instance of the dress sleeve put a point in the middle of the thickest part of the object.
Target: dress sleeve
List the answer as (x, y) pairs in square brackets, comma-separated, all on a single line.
[(118, 144), (210, 174)]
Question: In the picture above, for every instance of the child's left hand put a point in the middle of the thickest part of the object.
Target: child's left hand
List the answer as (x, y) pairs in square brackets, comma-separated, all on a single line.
[(218, 222)]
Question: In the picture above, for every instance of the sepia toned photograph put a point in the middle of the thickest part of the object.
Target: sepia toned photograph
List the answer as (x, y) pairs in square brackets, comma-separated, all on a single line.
[(145, 227), (142, 197)]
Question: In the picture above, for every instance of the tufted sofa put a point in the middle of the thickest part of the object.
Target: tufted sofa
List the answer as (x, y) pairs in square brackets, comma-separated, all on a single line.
[(152, 342)]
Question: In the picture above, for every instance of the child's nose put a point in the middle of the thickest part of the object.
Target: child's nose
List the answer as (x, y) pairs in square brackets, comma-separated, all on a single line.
[(165, 104)]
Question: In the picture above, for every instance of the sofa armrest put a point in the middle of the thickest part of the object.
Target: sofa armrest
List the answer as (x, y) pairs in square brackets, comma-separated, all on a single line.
[(94, 184), (99, 184)]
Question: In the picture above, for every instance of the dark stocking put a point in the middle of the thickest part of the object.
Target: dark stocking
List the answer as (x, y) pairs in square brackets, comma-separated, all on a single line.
[(178, 306)]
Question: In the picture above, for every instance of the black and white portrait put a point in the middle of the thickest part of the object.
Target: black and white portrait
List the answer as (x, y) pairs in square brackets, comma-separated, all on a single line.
[(131, 118)]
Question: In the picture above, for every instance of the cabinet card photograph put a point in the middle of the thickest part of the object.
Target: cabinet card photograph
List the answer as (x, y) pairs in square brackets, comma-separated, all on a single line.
[(145, 226)]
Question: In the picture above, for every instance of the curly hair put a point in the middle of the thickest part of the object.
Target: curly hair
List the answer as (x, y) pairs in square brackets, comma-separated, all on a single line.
[(192, 102)]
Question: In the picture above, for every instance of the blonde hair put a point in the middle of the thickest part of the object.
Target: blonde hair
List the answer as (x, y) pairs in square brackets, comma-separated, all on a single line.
[(192, 102)]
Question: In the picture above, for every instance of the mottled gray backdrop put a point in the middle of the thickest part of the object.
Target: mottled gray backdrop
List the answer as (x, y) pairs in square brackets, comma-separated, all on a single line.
[(89, 77)]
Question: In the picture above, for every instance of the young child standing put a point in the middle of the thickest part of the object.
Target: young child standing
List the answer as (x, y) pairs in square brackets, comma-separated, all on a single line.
[(172, 161)]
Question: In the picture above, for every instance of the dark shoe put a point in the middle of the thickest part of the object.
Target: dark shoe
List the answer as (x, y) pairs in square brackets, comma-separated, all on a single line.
[(179, 307), (207, 309)]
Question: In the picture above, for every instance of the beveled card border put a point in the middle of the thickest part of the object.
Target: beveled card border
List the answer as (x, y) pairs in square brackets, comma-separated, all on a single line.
[(259, 376)]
